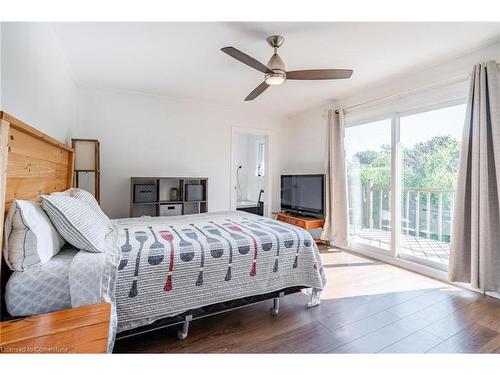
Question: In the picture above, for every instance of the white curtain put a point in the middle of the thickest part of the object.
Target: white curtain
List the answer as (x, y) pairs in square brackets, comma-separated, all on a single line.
[(475, 243), (336, 225)]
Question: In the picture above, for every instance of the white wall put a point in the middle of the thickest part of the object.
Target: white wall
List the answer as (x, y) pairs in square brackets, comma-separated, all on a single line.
[(247, 157), (146, 135), (306, 142), (254, 183), (306, 148), (241, 160), (37, 86)]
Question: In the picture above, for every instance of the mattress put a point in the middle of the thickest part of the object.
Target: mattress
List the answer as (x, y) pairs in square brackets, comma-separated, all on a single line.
[(43, 288)]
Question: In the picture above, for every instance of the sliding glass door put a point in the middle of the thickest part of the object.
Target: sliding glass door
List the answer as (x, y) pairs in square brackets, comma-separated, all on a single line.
[(402, 174), (368, 162), (430, 145)]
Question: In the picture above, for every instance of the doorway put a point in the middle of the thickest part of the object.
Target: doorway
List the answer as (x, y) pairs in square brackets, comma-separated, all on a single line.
[(250, 171), (402, 175)]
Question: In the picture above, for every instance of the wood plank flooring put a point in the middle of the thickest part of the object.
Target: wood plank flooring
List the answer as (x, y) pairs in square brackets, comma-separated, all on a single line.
[(367, 307)]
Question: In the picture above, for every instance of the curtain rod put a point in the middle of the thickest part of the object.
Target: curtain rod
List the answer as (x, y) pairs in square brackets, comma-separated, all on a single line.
[(451, 80), (407, 91)]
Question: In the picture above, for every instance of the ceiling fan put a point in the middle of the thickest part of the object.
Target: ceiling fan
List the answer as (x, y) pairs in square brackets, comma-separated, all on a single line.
[(275, 73)]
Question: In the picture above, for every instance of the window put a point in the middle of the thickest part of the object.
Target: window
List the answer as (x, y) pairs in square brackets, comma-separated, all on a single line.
[(260, 159), (368, 153), (430, 149), (401, 177)]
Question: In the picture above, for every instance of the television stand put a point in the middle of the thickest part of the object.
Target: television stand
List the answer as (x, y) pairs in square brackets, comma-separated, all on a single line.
[(303, 222)]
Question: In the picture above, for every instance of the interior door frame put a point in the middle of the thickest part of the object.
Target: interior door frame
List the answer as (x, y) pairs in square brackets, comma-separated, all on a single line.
[(268, 192)]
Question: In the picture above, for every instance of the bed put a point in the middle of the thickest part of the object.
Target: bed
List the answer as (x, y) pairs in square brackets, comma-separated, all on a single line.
[(156, 271), (41, 289)]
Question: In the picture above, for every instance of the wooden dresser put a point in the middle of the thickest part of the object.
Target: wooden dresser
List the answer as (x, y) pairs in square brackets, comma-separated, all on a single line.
[(79, 330), (307, 223)]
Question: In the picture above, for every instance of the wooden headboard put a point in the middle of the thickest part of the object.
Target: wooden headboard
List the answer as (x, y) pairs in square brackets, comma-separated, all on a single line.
[(31, 164)]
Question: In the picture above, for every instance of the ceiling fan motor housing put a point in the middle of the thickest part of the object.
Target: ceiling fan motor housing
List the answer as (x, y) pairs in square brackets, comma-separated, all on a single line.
[(275, 63), (278, 76)]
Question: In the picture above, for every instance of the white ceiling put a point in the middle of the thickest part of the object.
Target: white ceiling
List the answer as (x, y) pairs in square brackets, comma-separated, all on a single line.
[(183, 60)]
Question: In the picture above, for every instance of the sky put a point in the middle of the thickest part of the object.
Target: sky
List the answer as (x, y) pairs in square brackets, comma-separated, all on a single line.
[(414, 129)]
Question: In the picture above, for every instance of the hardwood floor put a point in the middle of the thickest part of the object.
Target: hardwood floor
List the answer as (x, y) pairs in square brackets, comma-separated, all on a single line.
[(367, 307)]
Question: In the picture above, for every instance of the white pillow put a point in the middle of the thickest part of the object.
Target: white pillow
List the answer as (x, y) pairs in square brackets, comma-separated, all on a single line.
[(88, 198), (77, 222), (30, 237)]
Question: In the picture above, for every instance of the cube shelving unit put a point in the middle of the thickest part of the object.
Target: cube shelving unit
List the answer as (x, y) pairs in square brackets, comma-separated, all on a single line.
[(151, 196)]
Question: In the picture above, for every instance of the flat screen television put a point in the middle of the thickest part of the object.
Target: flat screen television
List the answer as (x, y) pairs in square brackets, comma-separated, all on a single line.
[(303, 194)]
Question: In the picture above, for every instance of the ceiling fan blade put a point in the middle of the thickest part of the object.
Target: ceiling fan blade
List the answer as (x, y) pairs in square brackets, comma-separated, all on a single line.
[(315, 74), (245, 59), (257, 91)]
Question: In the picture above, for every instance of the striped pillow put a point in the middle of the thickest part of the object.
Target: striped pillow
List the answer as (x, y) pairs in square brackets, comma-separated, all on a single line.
[(88, 198), (77, 222)]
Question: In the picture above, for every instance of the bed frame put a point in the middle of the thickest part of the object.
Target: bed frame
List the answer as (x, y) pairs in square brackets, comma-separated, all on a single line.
[(206, 311), (32, 164)]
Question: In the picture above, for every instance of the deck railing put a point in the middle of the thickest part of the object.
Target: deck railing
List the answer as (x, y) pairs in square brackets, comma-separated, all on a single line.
[(426, 212)]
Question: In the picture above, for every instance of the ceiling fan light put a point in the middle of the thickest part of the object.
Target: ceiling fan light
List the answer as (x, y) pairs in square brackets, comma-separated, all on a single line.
[(275, 79)]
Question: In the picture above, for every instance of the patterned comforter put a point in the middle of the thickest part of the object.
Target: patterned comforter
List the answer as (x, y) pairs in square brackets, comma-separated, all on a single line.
[(170, 265), (162, 266)]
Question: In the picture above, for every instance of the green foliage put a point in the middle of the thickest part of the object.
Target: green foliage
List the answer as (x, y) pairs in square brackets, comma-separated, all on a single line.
[(430, 164)]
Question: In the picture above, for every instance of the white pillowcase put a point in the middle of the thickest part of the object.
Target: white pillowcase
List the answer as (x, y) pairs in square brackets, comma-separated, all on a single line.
[(30, 237), (88, 198), (77, 222)]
